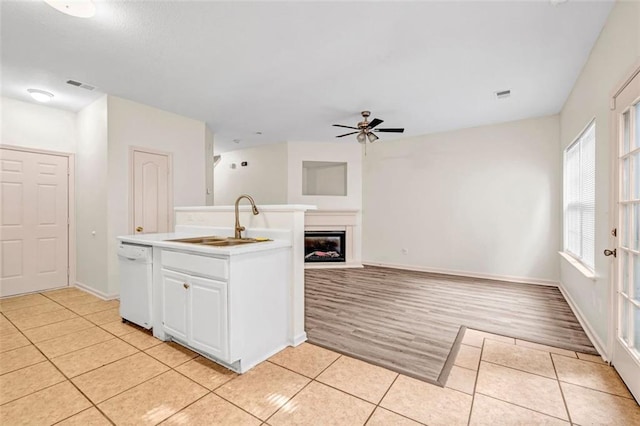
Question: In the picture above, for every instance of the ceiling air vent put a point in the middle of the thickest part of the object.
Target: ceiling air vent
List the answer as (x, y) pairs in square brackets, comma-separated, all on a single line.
[(503, 94), (81, 85)]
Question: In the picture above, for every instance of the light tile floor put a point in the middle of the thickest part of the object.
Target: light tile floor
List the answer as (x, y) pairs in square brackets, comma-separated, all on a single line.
[(66, 358)]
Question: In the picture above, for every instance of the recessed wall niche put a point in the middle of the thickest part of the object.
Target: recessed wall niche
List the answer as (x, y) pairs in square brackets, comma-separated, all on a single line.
[(324, 178)]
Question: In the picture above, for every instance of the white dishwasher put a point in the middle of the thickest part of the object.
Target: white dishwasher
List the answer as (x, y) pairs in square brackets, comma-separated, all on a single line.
[(136, 283)]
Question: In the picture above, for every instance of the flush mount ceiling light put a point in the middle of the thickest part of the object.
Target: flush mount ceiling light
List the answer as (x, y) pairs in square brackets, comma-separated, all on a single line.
[(77, 8), (40, 95)]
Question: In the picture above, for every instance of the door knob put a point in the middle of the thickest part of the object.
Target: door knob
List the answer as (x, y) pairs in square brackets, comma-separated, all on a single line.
[(608, 252), (139, 229), (186, 286)]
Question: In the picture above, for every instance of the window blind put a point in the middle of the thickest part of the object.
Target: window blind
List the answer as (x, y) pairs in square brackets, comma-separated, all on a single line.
[(579, 197)]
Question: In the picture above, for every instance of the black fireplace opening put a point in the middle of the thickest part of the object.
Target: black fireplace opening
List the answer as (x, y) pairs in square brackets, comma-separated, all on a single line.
[(324, 246)]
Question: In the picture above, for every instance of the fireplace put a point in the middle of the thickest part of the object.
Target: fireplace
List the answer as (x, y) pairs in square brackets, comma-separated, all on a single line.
[(324, 246)]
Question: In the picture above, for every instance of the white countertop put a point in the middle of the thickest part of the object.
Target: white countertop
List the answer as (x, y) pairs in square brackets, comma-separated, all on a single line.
[(160, 240)]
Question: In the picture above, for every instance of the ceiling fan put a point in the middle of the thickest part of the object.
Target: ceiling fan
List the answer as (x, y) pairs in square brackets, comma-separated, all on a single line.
[(365, 129)]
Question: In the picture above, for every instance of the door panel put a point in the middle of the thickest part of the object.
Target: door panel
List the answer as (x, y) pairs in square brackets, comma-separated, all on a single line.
[(151, 184), (34, 249), (626, 347), (174, 304), (208, 322)]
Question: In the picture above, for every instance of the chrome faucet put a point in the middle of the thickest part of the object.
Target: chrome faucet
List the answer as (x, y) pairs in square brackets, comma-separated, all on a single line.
[(239, 228)]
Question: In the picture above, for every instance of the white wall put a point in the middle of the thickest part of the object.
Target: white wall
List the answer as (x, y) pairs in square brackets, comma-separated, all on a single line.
[(91, 197), (134, 124), (612, 57), (344, 151), (324, 178), (208, 152), (37, 126), (483, 201), (264, 178)]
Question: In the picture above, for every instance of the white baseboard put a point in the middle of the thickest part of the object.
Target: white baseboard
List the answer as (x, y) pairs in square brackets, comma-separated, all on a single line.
[(591, 334), (520, 280), (97, 293), (299, 339)]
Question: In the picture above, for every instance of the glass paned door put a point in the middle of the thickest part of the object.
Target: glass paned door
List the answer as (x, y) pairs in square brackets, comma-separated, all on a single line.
[(629, 224), (626, 350)]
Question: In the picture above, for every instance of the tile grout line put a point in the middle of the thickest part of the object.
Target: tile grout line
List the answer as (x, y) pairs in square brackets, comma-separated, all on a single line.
[(56, 322), (600, 391), (382, 399), (170, 368), (67, 379), (564, 400), (475, 383), (376, 405), (557, 378), (521, 406), (311, 380), (61, 335), (209, 391), (509, 402), (518, 369), (186, 377), (232, 403), (513, 403), (95, 405), (36, 391)]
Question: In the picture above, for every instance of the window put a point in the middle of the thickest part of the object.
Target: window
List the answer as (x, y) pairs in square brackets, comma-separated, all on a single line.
[(579, 197)]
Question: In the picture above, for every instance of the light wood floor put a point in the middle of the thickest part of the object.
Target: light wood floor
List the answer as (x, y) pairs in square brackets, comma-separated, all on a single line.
[(408, 321)]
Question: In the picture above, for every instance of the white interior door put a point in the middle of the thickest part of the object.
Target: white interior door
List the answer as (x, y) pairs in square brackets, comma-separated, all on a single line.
[(34, 212), (151, 189), (626, 351)]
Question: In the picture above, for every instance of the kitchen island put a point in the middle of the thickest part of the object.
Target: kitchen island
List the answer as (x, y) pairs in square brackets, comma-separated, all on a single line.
[(231, 303)]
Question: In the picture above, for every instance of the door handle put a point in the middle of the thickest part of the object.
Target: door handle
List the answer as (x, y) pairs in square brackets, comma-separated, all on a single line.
[(608, 252), (186, 286), (139, 229)]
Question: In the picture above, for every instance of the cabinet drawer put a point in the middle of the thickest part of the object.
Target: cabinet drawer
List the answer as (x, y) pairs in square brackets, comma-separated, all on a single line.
[(199, 265)]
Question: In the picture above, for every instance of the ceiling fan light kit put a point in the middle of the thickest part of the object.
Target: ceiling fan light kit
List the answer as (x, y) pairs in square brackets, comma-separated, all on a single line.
[(366, 128)]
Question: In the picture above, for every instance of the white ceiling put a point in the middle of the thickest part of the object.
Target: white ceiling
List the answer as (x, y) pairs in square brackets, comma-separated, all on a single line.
[(291, 69)]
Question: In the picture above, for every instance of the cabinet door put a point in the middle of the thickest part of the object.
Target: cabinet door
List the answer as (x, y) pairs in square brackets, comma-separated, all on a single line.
[(208, 322), (175, 289)]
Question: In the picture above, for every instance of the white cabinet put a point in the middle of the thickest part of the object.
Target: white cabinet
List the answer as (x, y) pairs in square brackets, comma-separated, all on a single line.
[(174, 312), (233, 309), (208, 328), (195, 311)]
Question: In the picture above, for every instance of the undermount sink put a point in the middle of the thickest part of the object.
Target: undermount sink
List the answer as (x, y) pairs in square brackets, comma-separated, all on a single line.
[(219, 241)]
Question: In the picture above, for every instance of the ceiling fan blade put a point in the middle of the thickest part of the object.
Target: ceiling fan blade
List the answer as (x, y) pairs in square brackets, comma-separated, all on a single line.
[(346, 127), (398, 130), (375, 122), (347, 134)]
